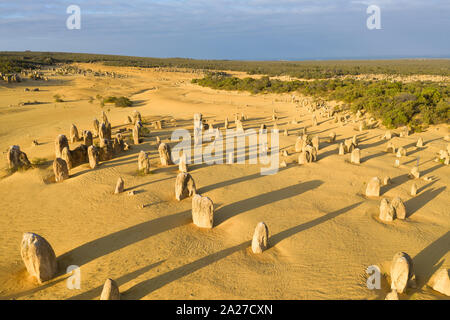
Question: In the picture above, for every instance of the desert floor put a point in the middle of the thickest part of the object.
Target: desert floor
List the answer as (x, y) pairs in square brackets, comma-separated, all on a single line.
[(324, 232)]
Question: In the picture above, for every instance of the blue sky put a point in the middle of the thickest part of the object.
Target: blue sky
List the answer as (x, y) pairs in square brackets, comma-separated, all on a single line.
[(230, 29)]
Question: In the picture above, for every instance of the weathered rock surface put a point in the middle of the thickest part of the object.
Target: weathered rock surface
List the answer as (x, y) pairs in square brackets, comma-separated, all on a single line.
[(260, 238), (60, 170), (38, 257), (184, 186), (202, 211), (110, 291), (373, 187)]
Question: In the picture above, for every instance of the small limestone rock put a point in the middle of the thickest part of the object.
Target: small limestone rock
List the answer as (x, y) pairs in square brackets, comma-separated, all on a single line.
[(73, 134), (104, 118), (393, 295), (419, 143), (108, 131), (60, 170), (399, 207), (96, 125), (386, 181), (202, 211), (17, 159), (414, 190), (387, 211), (67, 157), (415, 174), (260, 238), (402, 273), (136, 134), (143, 162), (341, 149), (387, 135), (182, 165), (93, 156), (184, 186), (119, 186), (302, 158), (102, 132), (332, 137), (315, 142), (355, 140), (390, 147), (401, 152), (38, 257), (440, 281), (110, 291), (165, 154), (60, 143), (349, 145), (355, 156), (299, 144), (87, 138), (136, 117), (373, 187)]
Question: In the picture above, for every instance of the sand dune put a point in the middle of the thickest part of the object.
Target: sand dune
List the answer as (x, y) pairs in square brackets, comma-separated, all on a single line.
[(323, 231)]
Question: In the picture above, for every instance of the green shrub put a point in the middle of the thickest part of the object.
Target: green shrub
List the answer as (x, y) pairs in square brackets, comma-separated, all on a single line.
[(119, 102), (395, 103), (58, 98)]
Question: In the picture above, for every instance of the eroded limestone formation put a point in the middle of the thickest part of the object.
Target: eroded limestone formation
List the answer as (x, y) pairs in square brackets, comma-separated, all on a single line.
[(260, 238), (60, 170), (38, 257), (184, 186), (17, 159), (110, 291), (165, 154), (93, 156), (144, 162), (373, 187), (60, 143), (402, 272), (202, 211)]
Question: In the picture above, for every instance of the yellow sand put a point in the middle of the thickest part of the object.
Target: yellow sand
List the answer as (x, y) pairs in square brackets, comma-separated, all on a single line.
[(323, 232)]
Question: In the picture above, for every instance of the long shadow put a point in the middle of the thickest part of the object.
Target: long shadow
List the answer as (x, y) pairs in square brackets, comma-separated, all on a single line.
[(371, 145), (409, 153), (290, 232), (18, 295), (95, 292), (120, 239), (428, 261), (372, 156), (325, 154), (429, 170), (239, 207), (145, 287), (142, 289), (419, 190), (147, 183), (232, 181), (395, 182), (414, 204)]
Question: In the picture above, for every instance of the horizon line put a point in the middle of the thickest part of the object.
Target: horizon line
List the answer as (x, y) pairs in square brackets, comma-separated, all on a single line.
[(443, 57)]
